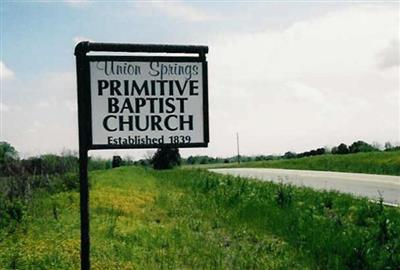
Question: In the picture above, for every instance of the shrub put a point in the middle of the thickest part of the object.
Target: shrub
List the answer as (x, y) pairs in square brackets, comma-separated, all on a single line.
[(283, 195), (116, 161), (98, 164), (166, 158), (11, 211), (71, 181)]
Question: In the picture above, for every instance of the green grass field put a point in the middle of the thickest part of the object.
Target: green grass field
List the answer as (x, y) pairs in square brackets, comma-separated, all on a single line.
[(370, 162), (193, 219)]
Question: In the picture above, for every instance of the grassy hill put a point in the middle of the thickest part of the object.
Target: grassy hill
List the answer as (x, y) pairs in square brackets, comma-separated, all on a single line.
[(143, 219), (370, 162)]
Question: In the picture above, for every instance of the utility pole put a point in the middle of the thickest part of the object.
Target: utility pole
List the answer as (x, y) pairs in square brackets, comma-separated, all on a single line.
[(237, 143)]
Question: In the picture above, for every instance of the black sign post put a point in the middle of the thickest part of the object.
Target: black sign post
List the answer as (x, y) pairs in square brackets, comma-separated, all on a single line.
[(86, 114)]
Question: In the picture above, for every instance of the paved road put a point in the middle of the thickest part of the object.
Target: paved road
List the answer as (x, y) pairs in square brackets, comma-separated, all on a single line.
[(368, 185)]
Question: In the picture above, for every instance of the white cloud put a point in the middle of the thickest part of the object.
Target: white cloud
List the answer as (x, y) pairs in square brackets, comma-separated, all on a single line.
[(390, 56), (315, 83), (5, 72), (340, 42), (45, 104), (4, 107), (179, 10), (301, 92), (78, 3), (45, 118), (36, 127), (72, 105)]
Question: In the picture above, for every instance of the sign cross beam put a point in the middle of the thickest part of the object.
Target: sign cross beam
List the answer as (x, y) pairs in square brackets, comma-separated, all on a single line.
[(85, 46)]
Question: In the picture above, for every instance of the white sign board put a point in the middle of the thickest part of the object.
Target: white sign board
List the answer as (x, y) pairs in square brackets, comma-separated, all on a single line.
[(140, 102)]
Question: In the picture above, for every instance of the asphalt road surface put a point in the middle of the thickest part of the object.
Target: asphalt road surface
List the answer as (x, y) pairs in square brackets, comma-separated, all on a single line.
[(367, 185)]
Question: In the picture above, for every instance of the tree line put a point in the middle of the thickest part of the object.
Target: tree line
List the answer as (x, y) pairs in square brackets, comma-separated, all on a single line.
[(341, 149)]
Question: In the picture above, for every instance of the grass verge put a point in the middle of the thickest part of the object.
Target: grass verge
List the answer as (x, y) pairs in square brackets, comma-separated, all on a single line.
[(180, 219), (370, 162)]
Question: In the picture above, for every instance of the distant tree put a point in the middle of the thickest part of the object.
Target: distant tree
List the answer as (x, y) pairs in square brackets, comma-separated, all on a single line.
[(33, 165), (143, 162), (166, 158), (316, 152), (289, 155), (259, 158), (394, 148), (116, 161), (335, 150), (7, 152), (361, 146), (342, 149), (312, 153), (190, 160), (203, 160), (377, 146), (52, 164), (127, 161), (218, 160), (388, 146), (245, 158)]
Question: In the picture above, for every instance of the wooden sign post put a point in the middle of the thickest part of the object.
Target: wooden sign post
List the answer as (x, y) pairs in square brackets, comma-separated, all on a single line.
[(137, 101)]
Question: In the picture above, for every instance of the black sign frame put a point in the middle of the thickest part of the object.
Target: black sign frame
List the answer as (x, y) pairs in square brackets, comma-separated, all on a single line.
[(85, 110)]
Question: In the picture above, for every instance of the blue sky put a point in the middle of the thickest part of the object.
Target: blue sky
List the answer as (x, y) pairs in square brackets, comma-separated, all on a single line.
[(42, 32), (286, 76)]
